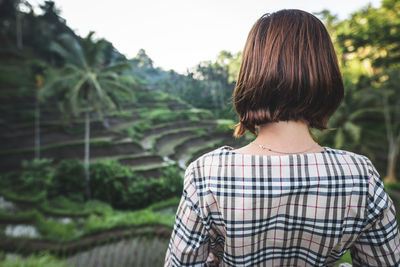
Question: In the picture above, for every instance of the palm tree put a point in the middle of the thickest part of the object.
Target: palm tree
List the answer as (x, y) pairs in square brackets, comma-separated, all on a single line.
[(84, 83), (345, 120), (389, 94)]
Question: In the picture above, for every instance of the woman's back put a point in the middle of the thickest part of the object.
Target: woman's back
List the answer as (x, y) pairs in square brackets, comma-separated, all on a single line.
[(289, 210)]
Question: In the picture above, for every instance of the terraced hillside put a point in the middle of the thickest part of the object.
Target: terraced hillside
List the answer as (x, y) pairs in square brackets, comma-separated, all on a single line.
[(147, 135)]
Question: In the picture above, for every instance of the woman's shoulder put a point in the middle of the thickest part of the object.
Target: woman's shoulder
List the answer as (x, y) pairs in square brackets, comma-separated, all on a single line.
[(227, 150), (356, 157), (337, 156), (219, 151)]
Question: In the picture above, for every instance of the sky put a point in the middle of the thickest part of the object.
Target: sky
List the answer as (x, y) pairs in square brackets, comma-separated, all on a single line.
[(179, 34)]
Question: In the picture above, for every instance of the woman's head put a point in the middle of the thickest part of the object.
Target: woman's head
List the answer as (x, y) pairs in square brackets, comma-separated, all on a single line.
[(289, 71)]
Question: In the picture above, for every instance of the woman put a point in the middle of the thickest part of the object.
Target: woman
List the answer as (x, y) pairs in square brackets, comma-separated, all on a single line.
[(283, 200)]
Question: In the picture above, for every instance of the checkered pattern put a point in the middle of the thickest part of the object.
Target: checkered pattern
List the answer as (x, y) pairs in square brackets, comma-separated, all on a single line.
[(289, 210)]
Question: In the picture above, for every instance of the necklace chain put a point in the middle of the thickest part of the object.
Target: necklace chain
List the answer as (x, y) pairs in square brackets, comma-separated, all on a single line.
[(264, 147)]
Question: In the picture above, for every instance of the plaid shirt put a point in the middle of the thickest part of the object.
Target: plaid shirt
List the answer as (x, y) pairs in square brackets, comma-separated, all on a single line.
[(289, 210)]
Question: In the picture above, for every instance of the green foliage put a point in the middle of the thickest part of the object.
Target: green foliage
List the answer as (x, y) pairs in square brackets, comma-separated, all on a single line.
[(36, 174), (109, 181), (203, 114), (53, 230), (373, 34), (345, 258), (29, 216), (209, 85), (123, 114), (43, 259), (62, 206), (224, 126), (173, 201), (49, 228), (23, 196), (138, 128), (162, 115), (84, 79), (166, 115), (116, 219), (395, 186), (69, 180), (142, 112), (142, 192)]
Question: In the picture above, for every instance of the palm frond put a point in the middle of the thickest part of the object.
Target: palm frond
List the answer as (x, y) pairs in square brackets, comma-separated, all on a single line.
[(113, 85), (97, 86), (339, 138), (63, 52), (353, 129), (72, 45), (74, 98), (362, 112)]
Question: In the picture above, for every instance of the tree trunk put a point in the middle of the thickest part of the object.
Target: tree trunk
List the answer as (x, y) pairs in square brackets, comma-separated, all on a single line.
[(19, 29), (37, 126), (392, 161), (87, 140), (391, 176)]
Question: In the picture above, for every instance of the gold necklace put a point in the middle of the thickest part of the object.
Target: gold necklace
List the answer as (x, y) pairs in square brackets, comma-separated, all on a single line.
[(264, 147)]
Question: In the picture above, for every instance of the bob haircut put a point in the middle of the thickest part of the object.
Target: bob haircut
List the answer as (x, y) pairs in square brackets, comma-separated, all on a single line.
[(289, 71)]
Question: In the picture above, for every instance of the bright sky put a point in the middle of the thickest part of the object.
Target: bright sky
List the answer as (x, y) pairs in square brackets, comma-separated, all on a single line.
[(178, 34)]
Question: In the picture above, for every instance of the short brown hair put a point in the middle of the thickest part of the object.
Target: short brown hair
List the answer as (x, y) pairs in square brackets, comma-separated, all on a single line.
[(289, 71)]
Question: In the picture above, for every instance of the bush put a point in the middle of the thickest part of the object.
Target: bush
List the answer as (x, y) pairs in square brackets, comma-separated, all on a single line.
[(108, 179), (69, 180), (51, 229), (37, 174), (141, 193)]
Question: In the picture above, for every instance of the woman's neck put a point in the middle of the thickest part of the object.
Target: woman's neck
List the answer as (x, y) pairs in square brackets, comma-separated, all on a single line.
[(283, 136)]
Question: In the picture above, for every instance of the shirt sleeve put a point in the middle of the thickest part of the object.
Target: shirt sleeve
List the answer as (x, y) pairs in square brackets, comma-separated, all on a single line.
[(378, 244), (189, 242)]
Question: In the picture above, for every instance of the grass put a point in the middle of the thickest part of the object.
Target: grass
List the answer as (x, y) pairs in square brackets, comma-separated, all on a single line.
[(118, 220), (42, 260), (34, 198), (137, 129), (62, 206), (101, 218), (167, 115), (174, 201)]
